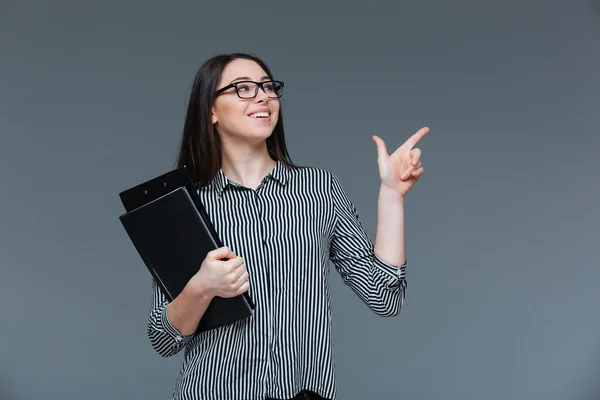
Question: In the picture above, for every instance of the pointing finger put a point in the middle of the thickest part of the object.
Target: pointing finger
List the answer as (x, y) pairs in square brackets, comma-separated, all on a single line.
[(414, 139)]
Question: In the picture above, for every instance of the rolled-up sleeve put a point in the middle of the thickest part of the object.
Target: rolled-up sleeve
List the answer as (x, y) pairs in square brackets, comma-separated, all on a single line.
[(164, 337), (380, 285)]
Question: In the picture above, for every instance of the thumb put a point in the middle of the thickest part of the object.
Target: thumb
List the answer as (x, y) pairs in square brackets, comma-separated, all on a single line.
[(221, 253), (381, 148)]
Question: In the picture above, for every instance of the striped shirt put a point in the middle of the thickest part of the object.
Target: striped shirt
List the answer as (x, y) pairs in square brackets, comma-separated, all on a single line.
[(287, 231)]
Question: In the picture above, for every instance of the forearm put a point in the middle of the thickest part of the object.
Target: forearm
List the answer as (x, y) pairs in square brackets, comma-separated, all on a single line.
[(186, 310), (164, 336), (390, 245)]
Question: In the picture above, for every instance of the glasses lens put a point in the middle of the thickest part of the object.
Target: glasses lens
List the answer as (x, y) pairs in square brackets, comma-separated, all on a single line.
[(246, 90), (273, 88)]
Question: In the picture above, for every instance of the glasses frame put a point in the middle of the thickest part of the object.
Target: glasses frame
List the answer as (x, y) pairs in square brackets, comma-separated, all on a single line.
[(259, 85)]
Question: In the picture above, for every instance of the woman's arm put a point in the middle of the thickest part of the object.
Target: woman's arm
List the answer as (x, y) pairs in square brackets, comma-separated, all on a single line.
[(390, 245), (187, 309), (377, 282), (172, 325), (165, 337)]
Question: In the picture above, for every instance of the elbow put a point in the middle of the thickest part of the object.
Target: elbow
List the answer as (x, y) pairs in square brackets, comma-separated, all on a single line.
[(389, 305), (166, 354), (165, 340), (388, 311), (162, 343), (165, 351)]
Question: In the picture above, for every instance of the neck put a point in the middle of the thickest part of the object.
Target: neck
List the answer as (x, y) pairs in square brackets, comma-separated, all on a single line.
[(245, 164)]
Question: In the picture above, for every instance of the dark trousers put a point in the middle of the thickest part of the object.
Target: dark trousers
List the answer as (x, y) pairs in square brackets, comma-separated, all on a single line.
[(303, 395)]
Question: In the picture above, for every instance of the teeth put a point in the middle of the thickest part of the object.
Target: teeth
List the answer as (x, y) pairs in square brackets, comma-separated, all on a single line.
[(260, 115)]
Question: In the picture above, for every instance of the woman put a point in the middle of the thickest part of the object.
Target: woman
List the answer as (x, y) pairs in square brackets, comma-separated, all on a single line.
[(281, 225)]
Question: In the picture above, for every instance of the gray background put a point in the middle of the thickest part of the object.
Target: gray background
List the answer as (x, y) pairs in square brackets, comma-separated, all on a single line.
[(502, 231)]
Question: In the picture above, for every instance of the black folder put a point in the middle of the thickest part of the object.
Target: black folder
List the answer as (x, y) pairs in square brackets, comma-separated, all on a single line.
[(170, 229)]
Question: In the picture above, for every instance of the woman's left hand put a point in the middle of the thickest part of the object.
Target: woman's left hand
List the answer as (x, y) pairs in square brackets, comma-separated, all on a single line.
[(401, 170)]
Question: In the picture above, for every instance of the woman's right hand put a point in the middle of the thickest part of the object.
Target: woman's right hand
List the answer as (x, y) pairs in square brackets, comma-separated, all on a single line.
[(219, 277)]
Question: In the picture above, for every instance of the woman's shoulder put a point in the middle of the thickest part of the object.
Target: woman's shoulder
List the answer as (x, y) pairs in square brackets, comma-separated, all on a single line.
[(317, 180), (309, 173)]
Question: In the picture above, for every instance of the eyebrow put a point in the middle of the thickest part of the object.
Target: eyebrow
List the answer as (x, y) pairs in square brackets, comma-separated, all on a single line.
[(247, 78)]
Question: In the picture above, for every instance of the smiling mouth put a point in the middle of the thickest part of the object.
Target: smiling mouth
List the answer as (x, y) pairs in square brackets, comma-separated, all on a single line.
[(260, 115)]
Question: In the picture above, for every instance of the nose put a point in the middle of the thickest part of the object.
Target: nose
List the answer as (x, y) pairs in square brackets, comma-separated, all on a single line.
[(261, 96)]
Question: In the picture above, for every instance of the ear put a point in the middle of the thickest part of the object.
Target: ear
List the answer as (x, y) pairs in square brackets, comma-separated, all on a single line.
[(213, 116)]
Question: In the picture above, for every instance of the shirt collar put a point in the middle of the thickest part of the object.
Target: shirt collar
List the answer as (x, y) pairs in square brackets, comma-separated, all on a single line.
[(280, 173)]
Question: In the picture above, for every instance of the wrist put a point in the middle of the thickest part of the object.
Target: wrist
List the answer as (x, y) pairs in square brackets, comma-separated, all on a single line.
[(197, 291), (388, 194)]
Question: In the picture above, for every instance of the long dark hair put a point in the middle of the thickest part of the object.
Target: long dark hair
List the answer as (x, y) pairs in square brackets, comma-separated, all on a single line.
[(200, 148)]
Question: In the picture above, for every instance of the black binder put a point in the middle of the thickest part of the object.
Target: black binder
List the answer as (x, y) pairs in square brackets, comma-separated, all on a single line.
[(169, 227)]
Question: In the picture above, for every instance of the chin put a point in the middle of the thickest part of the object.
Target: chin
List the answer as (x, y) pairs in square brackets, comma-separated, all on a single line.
[(261, 135), (262, 132)]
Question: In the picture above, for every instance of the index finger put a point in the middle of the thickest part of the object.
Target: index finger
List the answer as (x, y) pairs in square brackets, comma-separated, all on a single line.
[(414, 139)]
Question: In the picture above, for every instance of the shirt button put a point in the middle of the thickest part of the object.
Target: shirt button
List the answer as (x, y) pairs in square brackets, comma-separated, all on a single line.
[(178, 338)]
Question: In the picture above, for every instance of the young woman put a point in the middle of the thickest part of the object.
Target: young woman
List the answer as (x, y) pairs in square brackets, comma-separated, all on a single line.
[(281, 225)]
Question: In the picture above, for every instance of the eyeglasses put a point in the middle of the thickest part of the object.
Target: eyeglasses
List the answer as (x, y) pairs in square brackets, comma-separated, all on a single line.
[(249, 89)]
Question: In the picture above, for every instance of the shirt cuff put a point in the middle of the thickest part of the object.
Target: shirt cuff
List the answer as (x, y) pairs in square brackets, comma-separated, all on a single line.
[(397, 275), (172, 331)]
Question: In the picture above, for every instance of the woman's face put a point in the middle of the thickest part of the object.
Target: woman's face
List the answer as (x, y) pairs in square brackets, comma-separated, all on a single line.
[(245, 119)]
